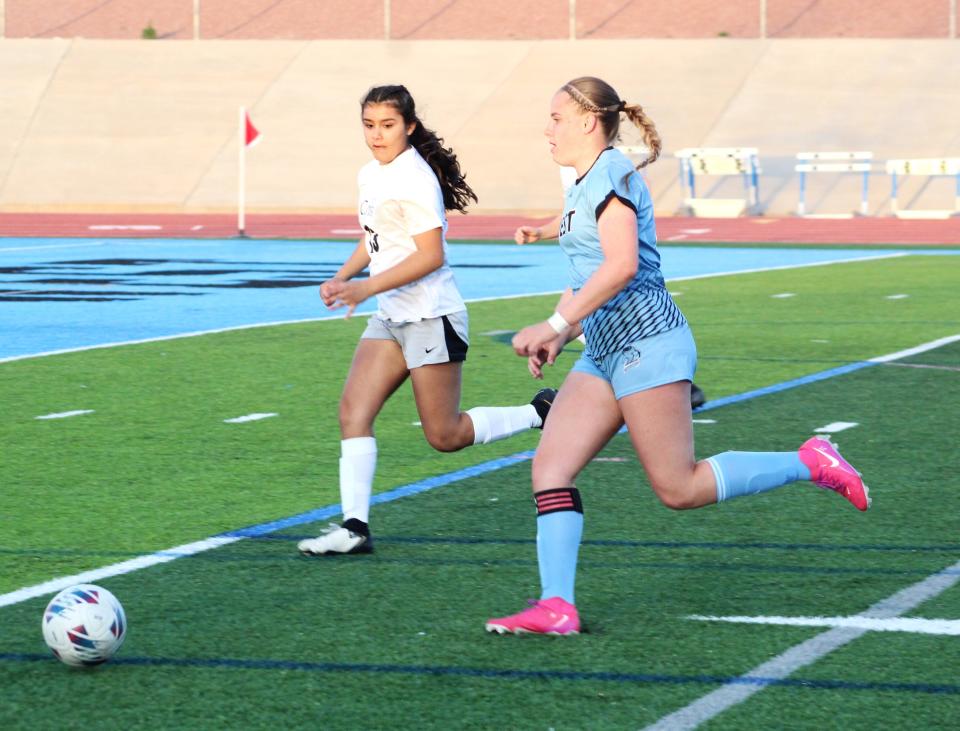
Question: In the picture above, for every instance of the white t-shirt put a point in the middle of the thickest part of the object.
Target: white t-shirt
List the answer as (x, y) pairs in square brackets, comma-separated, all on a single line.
[(398, 201)]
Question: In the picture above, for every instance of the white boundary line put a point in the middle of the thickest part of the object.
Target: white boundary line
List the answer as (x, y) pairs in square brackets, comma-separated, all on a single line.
[(115, 569), (161, 338), (895, 255), (52, 246), (900, 354), (798, 656), (197, 333), (232, 328)]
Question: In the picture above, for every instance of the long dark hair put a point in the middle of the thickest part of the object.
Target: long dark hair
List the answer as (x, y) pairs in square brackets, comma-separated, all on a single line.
[(442, 160)]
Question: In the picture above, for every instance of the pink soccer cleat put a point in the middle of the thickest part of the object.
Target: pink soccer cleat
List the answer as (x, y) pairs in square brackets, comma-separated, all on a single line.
[(832, 472), (553, 616)]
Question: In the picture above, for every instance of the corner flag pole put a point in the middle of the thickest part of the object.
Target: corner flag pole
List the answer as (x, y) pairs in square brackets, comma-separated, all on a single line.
[(247, 136)]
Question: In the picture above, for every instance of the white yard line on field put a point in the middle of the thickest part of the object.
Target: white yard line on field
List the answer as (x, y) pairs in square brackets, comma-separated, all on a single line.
[(786, 663), (248, 417), (65, 414), (873, 624), (835, 426)]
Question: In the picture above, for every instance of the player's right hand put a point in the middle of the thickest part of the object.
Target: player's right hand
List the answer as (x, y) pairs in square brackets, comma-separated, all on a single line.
[(535, 365), (545, 356), (328, 292)]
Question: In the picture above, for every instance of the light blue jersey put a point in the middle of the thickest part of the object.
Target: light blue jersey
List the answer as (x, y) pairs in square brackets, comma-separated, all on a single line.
[(644, 307)]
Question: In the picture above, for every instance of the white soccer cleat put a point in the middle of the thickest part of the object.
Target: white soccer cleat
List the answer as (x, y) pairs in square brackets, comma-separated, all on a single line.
[(351, 537)]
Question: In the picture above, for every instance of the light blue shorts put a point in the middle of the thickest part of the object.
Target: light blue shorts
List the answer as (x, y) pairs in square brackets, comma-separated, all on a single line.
[(645, 363)]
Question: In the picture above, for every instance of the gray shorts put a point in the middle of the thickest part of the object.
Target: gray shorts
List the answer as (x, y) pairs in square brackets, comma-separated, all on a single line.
[(425, 342)]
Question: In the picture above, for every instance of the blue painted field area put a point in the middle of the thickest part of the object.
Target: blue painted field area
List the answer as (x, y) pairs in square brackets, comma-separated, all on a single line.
[(61, 294)]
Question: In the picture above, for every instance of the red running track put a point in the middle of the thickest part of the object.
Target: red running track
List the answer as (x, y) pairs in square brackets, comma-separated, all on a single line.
[(477, 227)]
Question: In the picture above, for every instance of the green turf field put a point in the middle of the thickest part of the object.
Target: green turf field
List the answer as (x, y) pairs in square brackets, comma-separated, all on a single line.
[(251, 635)]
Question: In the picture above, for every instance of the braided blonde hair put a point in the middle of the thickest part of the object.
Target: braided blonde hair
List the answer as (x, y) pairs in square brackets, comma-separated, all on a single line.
[(597, 97)]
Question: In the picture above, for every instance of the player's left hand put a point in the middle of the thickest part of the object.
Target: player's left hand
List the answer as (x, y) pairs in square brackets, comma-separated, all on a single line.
[(534, 338), (527, 235), (347, 294)]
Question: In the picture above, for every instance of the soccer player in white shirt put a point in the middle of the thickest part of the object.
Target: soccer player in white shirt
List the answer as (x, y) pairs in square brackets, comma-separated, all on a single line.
[(420, 328)]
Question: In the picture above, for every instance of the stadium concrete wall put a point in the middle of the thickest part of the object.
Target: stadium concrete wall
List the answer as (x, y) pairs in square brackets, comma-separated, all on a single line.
[(141, 125)]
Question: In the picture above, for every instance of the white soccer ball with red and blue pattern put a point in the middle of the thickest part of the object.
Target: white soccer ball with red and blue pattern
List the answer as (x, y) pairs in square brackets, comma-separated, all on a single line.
[(84, 625)]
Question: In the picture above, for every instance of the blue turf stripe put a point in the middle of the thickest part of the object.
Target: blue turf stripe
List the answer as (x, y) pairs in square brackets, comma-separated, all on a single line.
[(385, 497), (329, 511), (507, 673), (785, 385)]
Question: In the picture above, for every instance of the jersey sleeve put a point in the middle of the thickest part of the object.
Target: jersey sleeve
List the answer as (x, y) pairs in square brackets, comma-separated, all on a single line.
[(418, 218), (419, 202), (614, 181)]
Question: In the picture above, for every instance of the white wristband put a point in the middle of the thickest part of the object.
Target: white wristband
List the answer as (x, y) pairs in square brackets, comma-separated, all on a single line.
[(558, 322)]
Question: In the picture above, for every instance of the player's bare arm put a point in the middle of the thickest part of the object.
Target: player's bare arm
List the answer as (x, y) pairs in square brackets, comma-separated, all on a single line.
[(356, 263), (530, 234), (618, 240), (427, 257)]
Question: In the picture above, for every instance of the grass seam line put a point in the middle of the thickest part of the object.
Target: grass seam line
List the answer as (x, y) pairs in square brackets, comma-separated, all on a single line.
[(501, 673)]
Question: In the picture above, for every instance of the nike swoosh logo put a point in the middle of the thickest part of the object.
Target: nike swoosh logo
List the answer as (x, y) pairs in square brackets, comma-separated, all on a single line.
[(430, 350), (563, 618), (834, 462)]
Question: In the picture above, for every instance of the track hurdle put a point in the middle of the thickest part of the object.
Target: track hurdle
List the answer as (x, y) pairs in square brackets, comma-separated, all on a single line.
[(719, 161), (929, 167), (833, 162)]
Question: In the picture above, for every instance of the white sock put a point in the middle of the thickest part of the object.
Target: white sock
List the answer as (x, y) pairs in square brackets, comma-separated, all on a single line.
[(358, 462), (491, 423)]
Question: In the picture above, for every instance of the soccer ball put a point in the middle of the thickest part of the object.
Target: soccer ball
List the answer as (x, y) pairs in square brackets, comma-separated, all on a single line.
[(84, 625)]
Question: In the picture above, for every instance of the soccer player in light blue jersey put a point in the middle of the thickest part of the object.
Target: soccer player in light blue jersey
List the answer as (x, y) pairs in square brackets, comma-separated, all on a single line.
[(551, 230), (638, 364)]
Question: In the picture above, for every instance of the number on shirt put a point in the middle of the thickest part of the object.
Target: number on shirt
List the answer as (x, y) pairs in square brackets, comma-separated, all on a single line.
[(372, 239)]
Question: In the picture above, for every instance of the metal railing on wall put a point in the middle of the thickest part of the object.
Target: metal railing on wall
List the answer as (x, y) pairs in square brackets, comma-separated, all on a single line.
[(197, 16)]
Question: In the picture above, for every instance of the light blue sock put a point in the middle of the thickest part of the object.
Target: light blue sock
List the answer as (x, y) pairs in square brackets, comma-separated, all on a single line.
[(558, 541), (749, 473)]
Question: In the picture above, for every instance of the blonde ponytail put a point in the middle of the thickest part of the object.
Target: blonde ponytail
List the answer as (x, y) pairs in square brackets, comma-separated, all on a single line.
[(651, 138)]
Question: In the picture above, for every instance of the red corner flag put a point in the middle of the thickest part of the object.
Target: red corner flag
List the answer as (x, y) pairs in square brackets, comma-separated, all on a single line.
[(248, 137), (252, 134)]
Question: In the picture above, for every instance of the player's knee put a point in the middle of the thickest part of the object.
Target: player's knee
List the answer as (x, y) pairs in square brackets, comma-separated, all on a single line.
[(444, 440), (352, 418), (674, 495), (546, 475)]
